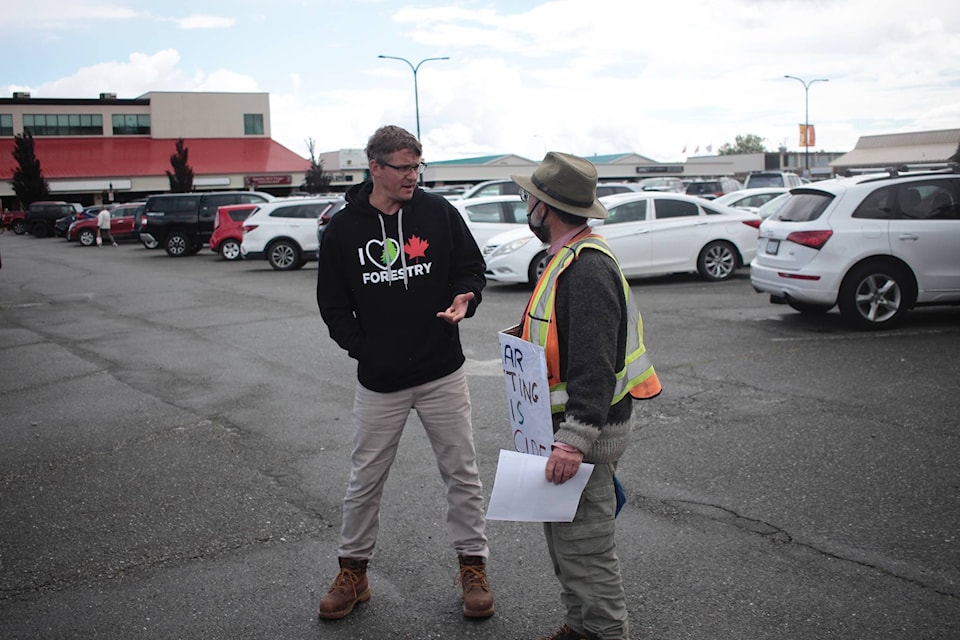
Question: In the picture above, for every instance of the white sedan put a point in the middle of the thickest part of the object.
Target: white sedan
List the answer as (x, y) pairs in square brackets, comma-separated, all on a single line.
[(490, 215), (650, 233)]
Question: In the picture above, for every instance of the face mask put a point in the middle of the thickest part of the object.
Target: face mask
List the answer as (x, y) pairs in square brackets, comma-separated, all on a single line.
[(536, 226)]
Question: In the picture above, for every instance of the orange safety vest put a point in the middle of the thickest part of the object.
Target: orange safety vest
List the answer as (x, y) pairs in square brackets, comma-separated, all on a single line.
[(637, 376)]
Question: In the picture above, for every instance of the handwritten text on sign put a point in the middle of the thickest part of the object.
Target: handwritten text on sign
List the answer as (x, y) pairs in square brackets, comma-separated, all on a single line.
[(528, 394)]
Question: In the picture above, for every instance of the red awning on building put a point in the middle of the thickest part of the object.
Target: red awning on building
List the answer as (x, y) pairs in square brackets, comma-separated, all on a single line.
[(77, 158)]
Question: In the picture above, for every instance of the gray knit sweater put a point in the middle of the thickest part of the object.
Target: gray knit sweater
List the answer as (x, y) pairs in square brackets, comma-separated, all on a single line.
[(591, 316)]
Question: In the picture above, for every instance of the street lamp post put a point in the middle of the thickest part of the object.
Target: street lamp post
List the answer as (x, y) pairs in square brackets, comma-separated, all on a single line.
[(416, 95), (806, 119)]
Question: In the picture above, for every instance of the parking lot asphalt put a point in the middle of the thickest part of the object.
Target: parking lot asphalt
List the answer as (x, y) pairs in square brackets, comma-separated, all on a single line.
[(176, 437)]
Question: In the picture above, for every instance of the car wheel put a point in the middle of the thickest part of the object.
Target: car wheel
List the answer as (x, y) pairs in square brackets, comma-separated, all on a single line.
[(178, 244), (150, 244), (718, 261), (537, 266), (87, 237), (283, 255), (40, 230), (809, 308), (19, 228), (230, 250), (875, 295)]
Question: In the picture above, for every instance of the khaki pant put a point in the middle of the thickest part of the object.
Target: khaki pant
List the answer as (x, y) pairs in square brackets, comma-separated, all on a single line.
[(379, 418), (585, 561)]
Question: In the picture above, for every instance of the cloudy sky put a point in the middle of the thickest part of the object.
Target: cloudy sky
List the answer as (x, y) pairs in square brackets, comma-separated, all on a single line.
[(666, 80)]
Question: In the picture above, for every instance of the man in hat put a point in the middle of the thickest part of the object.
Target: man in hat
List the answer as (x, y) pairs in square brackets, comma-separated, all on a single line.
[(582, 314)]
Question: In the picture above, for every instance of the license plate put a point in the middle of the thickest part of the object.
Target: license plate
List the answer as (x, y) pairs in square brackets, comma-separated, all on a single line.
[(773, 246)]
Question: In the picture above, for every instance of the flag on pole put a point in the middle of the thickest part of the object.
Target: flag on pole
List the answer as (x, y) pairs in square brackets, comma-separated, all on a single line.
[(808, 136)]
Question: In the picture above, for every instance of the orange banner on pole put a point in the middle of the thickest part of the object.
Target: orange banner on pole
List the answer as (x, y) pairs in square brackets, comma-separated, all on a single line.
[(808, 136)]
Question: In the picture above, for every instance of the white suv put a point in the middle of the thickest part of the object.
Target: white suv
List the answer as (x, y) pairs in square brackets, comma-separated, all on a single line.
[(284, 232), (874, 245)]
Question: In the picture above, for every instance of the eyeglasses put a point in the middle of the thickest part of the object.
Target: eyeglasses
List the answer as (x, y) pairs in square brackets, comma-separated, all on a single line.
[(404, 169)]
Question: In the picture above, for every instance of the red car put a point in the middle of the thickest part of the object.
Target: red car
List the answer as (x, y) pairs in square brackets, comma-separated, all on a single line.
[(122, 221), (13, 220), (228, 229)]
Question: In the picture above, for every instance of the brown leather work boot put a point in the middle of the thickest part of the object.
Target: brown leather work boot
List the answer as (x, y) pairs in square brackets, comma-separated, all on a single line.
[(349, 588), (477, 594), (565, 633)]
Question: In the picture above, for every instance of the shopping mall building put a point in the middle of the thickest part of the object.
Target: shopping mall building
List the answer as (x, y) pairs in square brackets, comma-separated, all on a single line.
[(113, 149)]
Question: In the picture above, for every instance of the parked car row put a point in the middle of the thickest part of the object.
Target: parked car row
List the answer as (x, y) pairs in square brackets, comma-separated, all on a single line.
[(873, 245)]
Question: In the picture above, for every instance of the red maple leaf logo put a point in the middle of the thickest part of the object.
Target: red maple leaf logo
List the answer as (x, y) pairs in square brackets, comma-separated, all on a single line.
[(416, 248)]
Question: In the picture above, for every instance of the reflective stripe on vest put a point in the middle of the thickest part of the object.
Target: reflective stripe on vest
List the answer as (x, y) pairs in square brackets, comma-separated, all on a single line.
[(637, 376)]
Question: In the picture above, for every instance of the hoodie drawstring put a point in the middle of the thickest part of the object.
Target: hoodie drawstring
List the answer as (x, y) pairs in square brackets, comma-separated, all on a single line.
[(386, 249)]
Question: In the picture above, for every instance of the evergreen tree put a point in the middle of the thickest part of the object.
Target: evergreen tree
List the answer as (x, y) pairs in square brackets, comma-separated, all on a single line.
[(316, 179), (181, 180), (28, 181)]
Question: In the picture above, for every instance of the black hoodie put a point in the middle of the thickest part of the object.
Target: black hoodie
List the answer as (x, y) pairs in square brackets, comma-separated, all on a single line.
[(379, 294)]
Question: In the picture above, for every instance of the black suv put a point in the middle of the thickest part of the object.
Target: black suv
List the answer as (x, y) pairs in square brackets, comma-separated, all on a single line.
[(182, 222), (42, 215)]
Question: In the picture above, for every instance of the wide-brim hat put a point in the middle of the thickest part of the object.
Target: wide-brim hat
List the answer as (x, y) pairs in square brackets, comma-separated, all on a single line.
[(567, 183)]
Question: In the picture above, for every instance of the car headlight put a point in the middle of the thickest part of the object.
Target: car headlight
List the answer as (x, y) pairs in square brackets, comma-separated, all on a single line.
[(510, 247)]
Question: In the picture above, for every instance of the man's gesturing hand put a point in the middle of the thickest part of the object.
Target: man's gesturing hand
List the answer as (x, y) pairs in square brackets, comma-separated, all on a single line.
[(457, 309)]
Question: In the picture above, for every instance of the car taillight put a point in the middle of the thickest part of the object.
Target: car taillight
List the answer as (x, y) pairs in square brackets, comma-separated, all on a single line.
[(249, 227), (752, 223), (812, 239), (143, 220)]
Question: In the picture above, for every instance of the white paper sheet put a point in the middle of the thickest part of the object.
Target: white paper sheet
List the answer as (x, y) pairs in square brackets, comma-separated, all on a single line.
[(522, 493)]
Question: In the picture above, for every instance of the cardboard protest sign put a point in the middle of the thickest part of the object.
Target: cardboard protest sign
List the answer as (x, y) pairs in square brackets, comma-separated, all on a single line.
[(528, 394)]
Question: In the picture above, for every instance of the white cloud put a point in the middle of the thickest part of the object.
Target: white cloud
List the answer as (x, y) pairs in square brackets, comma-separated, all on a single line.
[(205, 22)]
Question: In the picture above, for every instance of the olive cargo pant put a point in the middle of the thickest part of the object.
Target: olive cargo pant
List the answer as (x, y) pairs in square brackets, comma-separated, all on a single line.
[(585, 561)]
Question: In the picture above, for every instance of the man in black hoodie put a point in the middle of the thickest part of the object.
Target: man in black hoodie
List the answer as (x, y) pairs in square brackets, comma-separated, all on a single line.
[(398, 271)]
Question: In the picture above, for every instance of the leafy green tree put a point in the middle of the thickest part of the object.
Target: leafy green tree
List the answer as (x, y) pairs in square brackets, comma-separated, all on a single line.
[(181, 180), (748, 143), (28, 182), (316, 179)]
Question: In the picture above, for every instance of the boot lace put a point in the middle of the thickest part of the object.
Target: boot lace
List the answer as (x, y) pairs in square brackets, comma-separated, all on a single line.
[(471, 578), (346, 581)]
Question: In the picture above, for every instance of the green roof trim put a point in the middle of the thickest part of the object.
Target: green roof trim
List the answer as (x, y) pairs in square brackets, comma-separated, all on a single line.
[(607, 158), (479, 160)]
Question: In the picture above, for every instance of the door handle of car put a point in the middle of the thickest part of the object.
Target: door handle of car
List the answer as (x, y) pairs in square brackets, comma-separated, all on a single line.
[(909, 236)]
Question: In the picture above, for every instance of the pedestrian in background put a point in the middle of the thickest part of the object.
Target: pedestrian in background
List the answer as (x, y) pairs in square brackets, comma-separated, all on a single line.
[(398, 271), (103, 228), (582, 314)]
